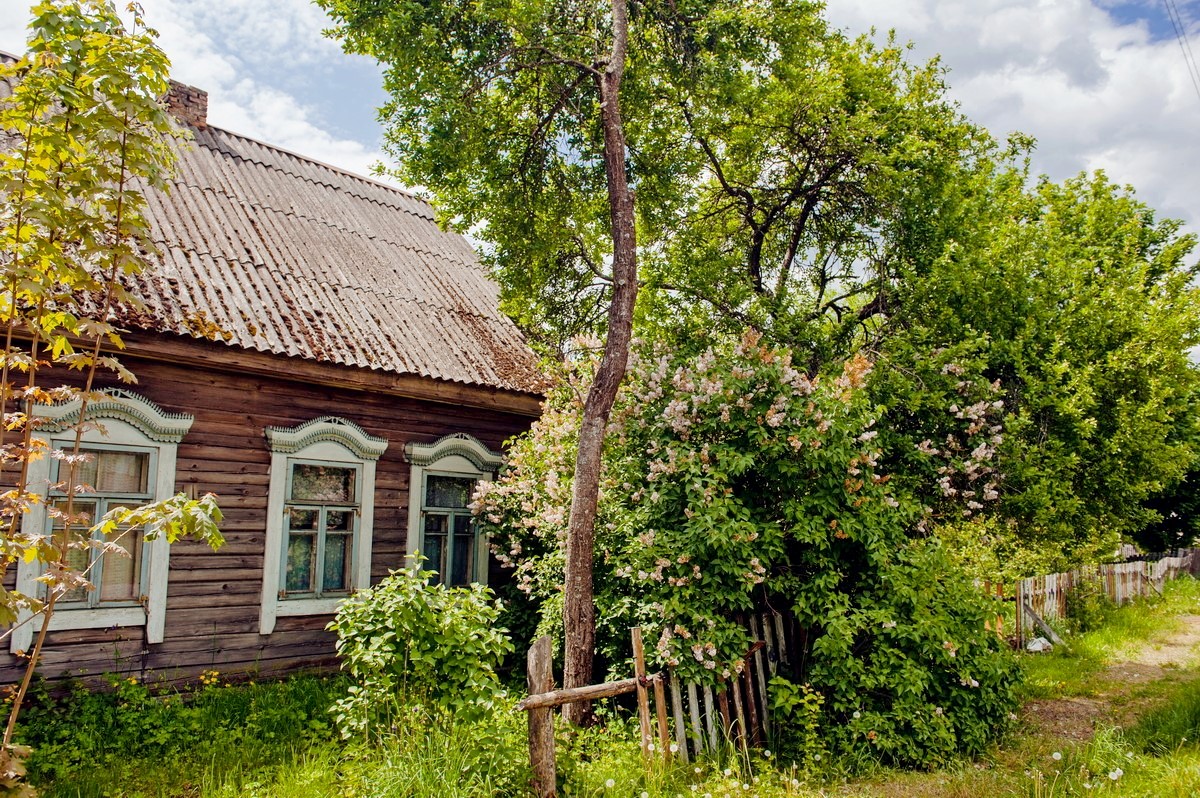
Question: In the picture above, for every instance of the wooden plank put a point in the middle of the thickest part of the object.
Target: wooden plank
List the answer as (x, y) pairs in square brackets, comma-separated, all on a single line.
[(697, 727), (737, 727), (591, 692), (723, 712), (677, 716), (540, 667), (780, 638), (753, 728), (772, 649), (709, 719), (759, 665), (643, 701), (220, 357), (1050, 633)]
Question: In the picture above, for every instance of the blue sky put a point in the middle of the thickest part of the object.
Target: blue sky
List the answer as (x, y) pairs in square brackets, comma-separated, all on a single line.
[(1099, 83)]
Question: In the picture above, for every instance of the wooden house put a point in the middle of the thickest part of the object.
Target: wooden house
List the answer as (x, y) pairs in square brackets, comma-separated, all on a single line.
[(317, 352)]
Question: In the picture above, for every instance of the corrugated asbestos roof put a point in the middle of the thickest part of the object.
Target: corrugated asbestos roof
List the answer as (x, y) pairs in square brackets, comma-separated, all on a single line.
[(267, 250)]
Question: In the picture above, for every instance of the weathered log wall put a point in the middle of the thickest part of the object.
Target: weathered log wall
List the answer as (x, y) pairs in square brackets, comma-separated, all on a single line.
[(214, 597)]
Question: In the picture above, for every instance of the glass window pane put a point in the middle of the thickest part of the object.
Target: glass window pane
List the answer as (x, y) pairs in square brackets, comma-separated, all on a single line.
[(121, 472), (339, 520), (301, 559), (318, 483), (336, 575), (83, 515), (462, 524), (120, 574), (435, 550), (436, 523), (77, 559), (461, 570), (303, 519), (452, 492)]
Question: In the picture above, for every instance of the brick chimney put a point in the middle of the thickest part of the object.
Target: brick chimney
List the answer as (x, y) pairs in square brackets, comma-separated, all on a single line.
[(188, 104)]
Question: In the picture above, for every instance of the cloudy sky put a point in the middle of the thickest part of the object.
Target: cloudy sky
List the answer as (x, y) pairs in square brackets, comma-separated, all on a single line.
[(1101, 84)]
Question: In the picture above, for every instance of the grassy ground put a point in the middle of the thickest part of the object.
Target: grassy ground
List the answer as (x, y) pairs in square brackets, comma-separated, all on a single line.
[(1116, 714)]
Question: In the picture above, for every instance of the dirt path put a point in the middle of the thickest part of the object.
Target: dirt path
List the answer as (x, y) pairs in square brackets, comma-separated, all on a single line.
[(1166, 657)]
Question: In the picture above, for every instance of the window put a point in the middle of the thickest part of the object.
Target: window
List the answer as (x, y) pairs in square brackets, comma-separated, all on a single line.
[(440, 527), (319, 522), (132, 462), (319, 517), (118, 477)]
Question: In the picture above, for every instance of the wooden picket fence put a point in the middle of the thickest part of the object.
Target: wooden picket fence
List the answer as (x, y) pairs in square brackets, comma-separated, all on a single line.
[(696, 718), (1043, 598)]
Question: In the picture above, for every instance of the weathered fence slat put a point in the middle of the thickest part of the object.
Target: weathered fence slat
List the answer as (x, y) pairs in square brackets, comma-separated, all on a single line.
[(677, 714), (697, 728), (709, 721)]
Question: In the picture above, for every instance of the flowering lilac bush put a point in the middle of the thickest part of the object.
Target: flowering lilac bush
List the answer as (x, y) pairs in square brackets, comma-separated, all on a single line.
[(735, 480)]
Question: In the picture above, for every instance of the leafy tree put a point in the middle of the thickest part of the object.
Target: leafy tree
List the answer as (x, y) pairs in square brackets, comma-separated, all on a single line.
[(742, 128), (819, 159), (84, 134), (1079, 305)]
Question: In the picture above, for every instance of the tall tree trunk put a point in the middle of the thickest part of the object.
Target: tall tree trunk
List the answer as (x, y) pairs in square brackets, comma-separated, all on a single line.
[(579, 610)]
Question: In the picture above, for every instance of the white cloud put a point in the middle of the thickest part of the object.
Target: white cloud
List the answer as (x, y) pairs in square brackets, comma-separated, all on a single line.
[(1096, 84), (1094, 91)]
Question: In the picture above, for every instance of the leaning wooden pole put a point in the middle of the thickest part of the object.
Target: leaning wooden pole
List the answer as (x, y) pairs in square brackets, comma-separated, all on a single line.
[(541, 719)]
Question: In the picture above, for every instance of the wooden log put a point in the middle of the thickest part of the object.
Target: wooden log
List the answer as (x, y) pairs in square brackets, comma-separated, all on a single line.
[(677, 716), (697, 727), (660, 709), (541, 719), (591, 692), (643, 699)]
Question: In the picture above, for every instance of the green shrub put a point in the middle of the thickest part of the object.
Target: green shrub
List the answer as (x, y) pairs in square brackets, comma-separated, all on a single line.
[(406, 641), (734, 481), (1088, 606), (122, 740)]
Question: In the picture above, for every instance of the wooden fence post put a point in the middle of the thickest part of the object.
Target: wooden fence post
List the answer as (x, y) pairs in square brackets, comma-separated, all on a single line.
[(541, 721), (643, 699)]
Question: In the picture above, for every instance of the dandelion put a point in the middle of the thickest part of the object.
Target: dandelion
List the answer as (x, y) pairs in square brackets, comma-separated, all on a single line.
[(1116, 774), (610, 783), (857, 714), (645, 794), (767, 753), (674, 749), (1057, 755), (728, 772)]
